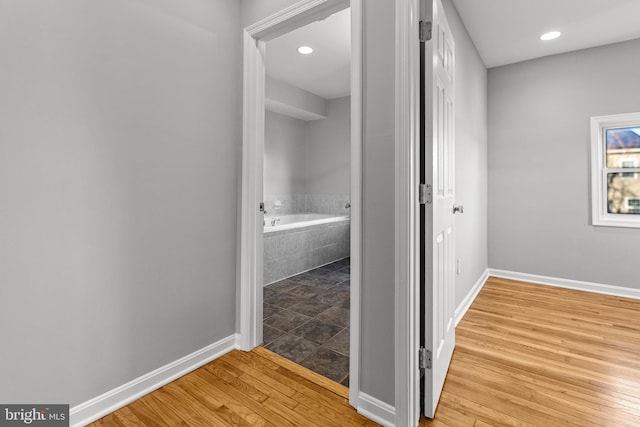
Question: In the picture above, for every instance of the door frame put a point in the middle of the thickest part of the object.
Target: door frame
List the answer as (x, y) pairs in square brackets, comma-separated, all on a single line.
[(250, 298), (407, 213)]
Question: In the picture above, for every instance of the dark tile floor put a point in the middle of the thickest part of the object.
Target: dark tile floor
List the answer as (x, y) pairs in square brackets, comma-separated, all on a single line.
[(306, 319)]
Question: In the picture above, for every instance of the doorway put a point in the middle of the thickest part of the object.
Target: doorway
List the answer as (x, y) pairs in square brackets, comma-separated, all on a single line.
[(306, 263), (253, 268)]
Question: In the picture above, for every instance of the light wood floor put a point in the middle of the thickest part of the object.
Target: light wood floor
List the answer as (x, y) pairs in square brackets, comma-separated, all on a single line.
[(526, 355), (532, 355), (243, 389)]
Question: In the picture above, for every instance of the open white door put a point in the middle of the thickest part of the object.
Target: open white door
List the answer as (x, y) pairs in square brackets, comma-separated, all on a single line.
[(438, 273)]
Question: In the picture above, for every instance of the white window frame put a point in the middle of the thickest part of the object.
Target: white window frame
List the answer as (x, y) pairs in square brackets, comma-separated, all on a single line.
[(599, 170)]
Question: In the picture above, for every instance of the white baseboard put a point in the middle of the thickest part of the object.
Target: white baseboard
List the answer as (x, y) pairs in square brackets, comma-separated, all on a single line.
[(461, 310), (617, 291), (108, 402), (376, 410)]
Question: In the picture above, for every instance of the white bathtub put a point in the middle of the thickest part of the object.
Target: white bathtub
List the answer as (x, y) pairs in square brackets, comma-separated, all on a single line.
[(273, 223)]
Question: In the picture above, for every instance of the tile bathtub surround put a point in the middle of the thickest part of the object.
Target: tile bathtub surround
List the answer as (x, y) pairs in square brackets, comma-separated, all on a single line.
[(328, 204), (289, 252), (306, 319), (307, 203), (288, 204)]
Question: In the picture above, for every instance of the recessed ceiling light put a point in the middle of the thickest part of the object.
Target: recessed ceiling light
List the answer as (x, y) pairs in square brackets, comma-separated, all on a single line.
[(305, 50), (550, 35)]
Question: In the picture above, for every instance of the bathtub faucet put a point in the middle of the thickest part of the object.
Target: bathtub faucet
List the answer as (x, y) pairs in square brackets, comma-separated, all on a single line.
[(347, 205), (274, 220)]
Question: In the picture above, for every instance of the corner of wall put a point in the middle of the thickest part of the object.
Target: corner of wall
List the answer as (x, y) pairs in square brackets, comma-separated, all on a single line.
[(98, 407)]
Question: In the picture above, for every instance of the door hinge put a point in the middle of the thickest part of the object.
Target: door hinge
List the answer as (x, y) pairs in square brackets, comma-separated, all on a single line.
[(424, 31), (425, 194), (424, 358)]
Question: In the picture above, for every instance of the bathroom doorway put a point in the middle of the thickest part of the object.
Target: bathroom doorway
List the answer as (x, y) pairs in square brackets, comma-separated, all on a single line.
[(306, 193), (299, 261)]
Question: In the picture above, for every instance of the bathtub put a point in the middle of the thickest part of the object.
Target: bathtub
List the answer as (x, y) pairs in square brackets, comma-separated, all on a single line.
[(273, 223), (296, 243)]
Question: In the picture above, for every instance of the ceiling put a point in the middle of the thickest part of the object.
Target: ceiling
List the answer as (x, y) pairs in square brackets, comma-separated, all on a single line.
[(504, 32), (507, 31), (325, 72)]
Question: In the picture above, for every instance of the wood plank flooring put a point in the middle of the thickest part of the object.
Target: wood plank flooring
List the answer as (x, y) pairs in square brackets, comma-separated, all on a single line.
[(258, 388), (532, 355), (526, 355)]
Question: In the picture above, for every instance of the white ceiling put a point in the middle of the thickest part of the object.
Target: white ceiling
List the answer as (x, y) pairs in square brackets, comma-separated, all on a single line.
[(504, 32), (507, 31), (326, 71)]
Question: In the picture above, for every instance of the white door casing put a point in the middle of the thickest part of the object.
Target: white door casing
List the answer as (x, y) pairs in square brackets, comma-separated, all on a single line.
[(407, 214), (439, 328)]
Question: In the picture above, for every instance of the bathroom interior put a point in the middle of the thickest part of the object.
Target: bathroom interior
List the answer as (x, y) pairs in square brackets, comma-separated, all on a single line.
[(306, 259)]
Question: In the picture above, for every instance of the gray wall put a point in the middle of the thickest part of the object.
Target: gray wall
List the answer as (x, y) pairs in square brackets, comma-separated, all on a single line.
[(306, 163), (471, 157), (328, 143), (378, 204), (118, 147), (539, 196), (308, 157), (284, 155), (255, 10), (283, 98)]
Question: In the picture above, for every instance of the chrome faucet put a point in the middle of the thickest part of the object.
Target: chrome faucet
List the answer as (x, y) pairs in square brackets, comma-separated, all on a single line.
[(347, 205), (274, 221)]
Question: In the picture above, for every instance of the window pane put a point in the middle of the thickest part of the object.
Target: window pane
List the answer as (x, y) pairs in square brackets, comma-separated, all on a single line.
[(623, 147), (623, 193)]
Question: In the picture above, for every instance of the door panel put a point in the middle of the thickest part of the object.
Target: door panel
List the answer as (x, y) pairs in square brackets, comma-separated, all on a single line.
[(439, 226)]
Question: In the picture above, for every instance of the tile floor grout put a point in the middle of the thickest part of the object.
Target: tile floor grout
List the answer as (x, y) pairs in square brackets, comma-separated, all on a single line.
[(306, 319)]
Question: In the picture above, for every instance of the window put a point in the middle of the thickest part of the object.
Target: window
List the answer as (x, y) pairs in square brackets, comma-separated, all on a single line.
[(632, 204), (627, 162), (615, 170)]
